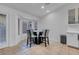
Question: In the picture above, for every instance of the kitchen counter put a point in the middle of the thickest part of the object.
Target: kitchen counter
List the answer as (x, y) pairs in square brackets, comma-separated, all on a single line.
[(73, 38), (75, 32)]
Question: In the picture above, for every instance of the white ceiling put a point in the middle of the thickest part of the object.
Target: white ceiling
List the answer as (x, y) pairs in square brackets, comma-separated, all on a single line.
[(34, 8)]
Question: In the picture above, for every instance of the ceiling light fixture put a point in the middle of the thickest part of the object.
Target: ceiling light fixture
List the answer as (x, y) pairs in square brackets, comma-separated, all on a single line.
[(42, 7)]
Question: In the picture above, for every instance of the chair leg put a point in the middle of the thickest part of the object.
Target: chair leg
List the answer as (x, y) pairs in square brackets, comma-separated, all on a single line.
[(48, 40), (34, 40), (41, 39), (45, 43), (27, 41), (30, 42)]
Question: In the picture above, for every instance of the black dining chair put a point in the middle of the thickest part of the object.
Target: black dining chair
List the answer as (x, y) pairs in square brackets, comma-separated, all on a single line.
[(30, 38), (35, 35), (40, 37), (45, 37)]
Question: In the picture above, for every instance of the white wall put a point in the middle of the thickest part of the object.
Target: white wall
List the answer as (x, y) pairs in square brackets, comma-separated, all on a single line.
[(12, 25), (57, 22), (22, 35)]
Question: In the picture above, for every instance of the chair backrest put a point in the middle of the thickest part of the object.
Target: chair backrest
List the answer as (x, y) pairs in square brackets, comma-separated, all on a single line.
[(40, 33), (35, 33), (32, 33), (28, 33), (46, 33)]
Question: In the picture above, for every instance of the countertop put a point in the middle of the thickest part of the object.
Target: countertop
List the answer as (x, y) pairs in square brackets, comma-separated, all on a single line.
[(77, 32)]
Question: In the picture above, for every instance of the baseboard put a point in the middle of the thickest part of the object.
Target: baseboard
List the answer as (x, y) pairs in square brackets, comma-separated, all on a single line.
[(73, 47)]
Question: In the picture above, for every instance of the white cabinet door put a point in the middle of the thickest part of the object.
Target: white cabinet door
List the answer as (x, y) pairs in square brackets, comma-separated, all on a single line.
[(72, 39)]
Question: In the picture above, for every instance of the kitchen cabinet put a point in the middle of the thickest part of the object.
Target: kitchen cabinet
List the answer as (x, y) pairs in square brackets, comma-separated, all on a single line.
[(73, 16), (73, 39)]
